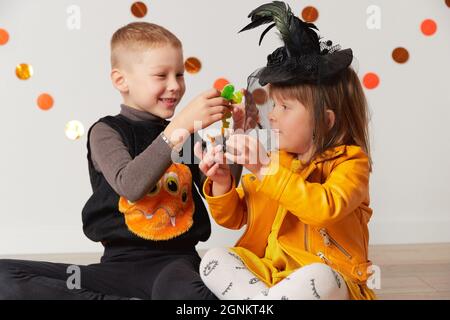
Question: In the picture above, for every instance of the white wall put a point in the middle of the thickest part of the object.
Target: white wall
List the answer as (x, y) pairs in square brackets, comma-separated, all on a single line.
[(44, 179)]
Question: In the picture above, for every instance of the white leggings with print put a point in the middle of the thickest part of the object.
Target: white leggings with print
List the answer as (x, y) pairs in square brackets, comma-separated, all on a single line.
[(226, 276)]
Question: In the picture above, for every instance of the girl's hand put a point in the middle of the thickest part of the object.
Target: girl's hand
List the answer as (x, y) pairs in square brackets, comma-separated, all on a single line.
[(213, 166), (248, 151), (245, 118), (238, 113)]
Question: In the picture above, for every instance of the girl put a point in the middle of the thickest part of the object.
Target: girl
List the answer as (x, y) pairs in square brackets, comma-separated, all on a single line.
[(306, 206)]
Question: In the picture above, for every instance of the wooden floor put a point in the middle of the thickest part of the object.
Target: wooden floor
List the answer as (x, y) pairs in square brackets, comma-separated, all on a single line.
[(412, 272), (407, 271)]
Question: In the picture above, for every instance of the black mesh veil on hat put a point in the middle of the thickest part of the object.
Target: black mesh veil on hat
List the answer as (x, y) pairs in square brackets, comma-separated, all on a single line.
[(304, 58)]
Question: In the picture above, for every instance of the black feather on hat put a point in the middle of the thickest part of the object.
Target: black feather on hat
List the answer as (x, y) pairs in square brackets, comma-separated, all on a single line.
[(304, 57)]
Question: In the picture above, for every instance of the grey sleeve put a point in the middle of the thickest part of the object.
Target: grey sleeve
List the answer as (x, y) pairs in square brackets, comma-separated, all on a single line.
[(130, 178)]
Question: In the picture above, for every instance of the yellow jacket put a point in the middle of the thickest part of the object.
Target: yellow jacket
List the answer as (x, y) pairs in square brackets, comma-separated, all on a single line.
[(301, 214)]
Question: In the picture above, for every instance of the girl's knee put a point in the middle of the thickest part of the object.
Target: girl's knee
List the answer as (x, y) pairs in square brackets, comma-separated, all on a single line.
[(325, 283), (210, 261), (332, 284)]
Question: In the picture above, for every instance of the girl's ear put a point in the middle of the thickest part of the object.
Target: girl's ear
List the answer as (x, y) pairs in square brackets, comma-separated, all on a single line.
[(119, 81), (331, 118)]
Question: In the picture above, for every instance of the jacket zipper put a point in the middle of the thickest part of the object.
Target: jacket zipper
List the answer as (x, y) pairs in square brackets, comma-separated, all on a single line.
[(325, 259), (327, 239)]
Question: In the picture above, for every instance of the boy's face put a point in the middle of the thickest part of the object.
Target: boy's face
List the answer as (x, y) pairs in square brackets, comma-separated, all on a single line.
[(155, 80)]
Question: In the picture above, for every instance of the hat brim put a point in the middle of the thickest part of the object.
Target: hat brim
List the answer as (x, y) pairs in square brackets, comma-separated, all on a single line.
[(308, 68)]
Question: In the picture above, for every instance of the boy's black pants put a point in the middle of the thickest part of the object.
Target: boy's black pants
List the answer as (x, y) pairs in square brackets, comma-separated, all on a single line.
[(123, 273)]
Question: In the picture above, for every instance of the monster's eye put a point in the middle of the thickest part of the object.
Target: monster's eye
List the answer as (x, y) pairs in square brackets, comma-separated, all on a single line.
[(171, 183), (184, 195), (155, 189)]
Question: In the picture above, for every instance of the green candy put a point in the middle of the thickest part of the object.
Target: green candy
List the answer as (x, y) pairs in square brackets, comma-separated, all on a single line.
[(227, 92)]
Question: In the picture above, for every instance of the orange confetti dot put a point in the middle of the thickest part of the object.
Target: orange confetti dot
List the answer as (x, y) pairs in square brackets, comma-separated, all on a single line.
[(371, 80), (192, 65), (400, 55), (139, 9), (310, 14), (45, 101), (220, 83), (428, 27), (4, 37), (447, 2)]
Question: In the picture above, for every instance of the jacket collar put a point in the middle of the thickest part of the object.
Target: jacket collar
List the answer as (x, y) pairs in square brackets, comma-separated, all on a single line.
[(289, 160)]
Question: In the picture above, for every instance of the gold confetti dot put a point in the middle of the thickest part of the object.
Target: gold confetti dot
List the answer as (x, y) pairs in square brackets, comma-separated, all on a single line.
[(310, 14), (192, 65), (139, 9), (400, 55), (74, 130), (24, 71)]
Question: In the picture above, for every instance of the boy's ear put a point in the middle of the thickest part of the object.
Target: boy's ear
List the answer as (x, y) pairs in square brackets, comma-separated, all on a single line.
[(331, 118), (119, 81)]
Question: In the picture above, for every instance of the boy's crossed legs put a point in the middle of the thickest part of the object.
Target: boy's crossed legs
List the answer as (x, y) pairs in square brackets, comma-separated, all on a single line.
[(166, 277)]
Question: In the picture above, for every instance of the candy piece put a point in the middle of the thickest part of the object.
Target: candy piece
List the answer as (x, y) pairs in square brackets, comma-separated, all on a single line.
[(228, 92), (227, 115), (237, 97)]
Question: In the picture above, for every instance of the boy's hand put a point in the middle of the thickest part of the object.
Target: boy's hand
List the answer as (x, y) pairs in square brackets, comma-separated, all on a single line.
[(208, 108), (213, 166), (248, 151)]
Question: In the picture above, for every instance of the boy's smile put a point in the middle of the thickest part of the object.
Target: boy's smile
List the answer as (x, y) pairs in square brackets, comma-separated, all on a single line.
[(169, 103)]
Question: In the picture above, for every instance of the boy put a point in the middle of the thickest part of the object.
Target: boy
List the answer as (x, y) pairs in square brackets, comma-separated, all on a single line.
[(144, 208)]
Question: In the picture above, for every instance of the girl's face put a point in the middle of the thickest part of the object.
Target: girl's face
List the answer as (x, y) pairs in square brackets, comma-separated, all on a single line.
[(295, 125)]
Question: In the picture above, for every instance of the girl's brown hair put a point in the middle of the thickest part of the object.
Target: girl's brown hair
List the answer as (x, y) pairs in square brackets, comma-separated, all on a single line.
[(344, 95)]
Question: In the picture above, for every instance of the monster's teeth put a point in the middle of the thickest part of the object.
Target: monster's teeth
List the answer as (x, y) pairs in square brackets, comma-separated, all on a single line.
[(148, 216), (172, 221)]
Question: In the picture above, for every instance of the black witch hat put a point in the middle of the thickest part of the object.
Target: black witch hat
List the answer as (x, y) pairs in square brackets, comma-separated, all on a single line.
[(304, 56)]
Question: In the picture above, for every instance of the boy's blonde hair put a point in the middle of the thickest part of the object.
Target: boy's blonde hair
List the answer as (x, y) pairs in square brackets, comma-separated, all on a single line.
[(345, 96), (138, 36)]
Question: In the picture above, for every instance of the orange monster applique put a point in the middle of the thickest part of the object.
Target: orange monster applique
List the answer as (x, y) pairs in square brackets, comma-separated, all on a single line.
[(166, 211)]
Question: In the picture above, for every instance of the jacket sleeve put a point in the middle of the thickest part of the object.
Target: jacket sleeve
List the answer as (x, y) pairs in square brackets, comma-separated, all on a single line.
[(320, 204), (228, 210)]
